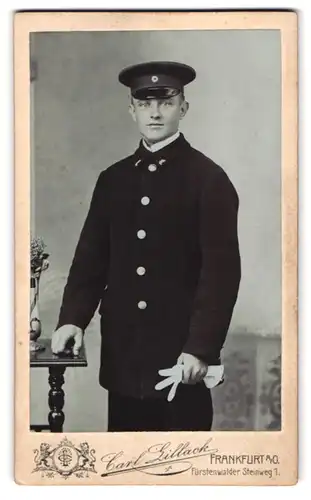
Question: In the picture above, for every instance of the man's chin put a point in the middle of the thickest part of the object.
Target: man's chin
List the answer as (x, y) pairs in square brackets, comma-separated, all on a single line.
[(155, 136)]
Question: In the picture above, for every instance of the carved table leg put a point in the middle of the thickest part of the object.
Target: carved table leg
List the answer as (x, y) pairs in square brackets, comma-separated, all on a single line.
[(56, 399)]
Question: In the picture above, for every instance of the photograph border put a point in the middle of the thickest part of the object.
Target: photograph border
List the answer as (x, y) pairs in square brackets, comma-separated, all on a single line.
[(278, 448)]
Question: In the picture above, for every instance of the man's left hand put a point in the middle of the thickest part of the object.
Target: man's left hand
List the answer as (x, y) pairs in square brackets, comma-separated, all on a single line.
[(194, 370)]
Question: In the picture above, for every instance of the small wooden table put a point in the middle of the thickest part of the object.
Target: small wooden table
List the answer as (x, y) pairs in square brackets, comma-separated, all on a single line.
[(57, 366)]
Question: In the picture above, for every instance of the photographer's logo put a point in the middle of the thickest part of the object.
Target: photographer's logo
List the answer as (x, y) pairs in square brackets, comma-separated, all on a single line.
[(65, 460)]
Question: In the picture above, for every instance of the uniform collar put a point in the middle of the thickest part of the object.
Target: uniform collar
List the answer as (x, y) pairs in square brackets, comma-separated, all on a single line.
[(160, 145), (162, 156)]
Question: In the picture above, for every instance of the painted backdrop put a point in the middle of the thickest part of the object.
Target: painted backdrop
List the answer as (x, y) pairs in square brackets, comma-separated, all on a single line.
[(80, 126)]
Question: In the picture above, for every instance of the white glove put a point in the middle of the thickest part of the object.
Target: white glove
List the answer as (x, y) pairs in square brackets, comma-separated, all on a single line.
[(174, 376)]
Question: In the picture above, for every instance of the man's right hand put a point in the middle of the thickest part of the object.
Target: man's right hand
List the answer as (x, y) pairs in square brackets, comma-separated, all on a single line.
[(64, 334)]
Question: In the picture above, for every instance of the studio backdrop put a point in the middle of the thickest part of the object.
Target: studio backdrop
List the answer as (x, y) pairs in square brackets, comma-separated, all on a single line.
[(80, 125)]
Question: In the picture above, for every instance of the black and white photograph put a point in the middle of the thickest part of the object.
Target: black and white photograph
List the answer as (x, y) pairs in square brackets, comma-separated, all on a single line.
[(161, 290), (156, 193)]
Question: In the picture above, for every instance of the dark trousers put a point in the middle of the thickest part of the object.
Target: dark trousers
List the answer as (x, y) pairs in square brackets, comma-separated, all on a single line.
[(190, 410)]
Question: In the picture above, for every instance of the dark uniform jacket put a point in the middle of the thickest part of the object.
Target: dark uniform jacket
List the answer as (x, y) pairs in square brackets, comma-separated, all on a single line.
[(159, 252)]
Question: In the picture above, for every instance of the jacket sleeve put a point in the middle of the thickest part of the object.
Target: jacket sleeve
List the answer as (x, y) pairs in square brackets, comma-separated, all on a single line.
[(88, 272), (220, 272)]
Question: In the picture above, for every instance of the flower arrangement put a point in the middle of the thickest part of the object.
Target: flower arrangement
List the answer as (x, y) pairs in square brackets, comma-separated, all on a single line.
[(38, 263), (38, 257)]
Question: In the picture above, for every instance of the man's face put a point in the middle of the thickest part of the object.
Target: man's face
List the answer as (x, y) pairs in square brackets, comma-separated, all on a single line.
[(158, 119)]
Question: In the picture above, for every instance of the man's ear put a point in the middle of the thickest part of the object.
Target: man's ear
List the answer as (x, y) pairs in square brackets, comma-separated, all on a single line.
[(131, 109), (132, 112), (184, 108)]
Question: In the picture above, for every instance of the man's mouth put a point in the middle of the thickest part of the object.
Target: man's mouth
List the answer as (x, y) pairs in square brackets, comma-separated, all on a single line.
[(155, 125)]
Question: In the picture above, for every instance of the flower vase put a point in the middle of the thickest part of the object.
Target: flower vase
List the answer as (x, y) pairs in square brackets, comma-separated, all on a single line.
[(35, 323)]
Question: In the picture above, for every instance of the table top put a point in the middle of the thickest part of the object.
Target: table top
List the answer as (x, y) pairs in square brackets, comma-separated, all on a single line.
[(47, 358)]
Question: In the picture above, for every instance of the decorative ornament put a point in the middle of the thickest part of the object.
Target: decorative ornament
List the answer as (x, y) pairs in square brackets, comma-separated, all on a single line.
[(65, 460)]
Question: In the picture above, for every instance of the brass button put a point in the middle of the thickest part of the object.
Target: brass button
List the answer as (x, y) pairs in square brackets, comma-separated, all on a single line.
[(142, 304), (141, 234), (145, 200), (141, 270)]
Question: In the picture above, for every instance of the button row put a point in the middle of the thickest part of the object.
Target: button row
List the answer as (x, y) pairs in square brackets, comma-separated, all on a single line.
[(141, 234)]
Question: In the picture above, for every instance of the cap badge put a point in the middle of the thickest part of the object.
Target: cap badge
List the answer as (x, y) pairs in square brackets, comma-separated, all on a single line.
[(154, 79)]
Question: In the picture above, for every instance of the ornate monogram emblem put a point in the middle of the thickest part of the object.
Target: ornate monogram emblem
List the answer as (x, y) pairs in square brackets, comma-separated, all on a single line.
[(64, 460), (154, 79)]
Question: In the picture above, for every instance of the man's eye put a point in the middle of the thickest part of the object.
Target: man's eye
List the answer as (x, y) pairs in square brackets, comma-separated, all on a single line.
[(143, 104), (168, 103)]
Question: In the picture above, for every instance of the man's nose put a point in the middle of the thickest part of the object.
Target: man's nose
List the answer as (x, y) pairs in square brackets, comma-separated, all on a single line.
[(155, 109)]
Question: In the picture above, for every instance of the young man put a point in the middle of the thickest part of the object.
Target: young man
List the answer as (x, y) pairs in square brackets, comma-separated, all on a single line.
[(159, 252)]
